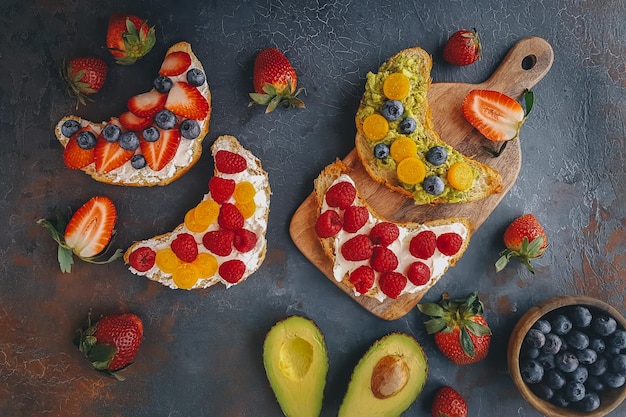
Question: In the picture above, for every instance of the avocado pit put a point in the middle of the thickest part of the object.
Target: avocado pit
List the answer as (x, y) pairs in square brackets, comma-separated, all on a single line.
[(390, 376)]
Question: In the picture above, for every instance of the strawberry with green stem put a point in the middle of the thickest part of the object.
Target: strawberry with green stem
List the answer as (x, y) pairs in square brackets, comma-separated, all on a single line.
[(525, 240), (84, 76), (129, 38), (462, 48)]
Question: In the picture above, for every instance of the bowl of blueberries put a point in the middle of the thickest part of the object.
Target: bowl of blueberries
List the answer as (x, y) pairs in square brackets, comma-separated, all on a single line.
[(567, 357)]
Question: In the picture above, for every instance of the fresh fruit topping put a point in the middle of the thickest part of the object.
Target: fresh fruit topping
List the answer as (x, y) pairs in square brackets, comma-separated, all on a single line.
[(448, 403), (418, 273), (232, 270), (384, 233), (187, 101), (230, 162), (462, 48), (158, 154), (392, 283), (375, 127), (244, 192), (150, 134), (206, 212), (275, 81), (381, 150), (185, 276), (358, 248), (167, 261), (111, 132), (461, 176), (76, 157), (138, 161), (407, 126), (192, 224), (142, 258), (341, 195), (165, 119), (525, 240), (129, 141), (221, 189), (110, 155), (403, 147), (450, 243), (328, 224), (175, 63), (163, 84), (411, 171), (196, 77), (437, 155), (433, 185), (247, 208), (423, 244), (355, 217), (130, 121), (129, 38), (392, 110), (396, 86), (206, 264), (86, 139), (84, 76), (461, 332), (245, 240), (189, 129), (230, 218), (362, 278), (87, 234), (219, 242), (383, 259), (69, 127), (185, 247), (147, 104)]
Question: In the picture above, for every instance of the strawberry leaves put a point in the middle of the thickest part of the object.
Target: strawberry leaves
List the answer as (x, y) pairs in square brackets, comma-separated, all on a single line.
[(272, 98), (528, 251)]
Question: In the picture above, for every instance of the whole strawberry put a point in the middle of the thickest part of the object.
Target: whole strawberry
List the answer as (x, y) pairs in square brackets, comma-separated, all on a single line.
[(113, 342), (129, 38), (525, 240), (461, 332), (275, 81), (463, 47), (448, 403), (84, 76)]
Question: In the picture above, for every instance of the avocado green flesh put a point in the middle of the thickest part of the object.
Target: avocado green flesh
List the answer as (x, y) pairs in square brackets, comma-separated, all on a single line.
[(296, 363), (359, 399)]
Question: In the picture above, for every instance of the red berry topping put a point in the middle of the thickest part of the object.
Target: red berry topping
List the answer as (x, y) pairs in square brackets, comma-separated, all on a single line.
[(392, 284), (142, 259), (221, 189), (362, 278), (358, 248), (384, 233), (230, 162), (383, 259), (328, 224), (423, 245), (245, 240), (219, 242), (354, 218), (418, 273), (449, 243), (185, 247), (230, 217), (341, 195), (232, 270)]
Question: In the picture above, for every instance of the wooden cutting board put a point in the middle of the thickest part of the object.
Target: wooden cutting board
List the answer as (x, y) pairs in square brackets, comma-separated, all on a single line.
[(526, 63)]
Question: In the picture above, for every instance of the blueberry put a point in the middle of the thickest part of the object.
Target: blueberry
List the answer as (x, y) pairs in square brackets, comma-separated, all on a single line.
[(561, 324), (165, 119), (590, 402), (597, 345), (111, 133), (138, 161), (587, 356), (552, 344), (437, 155), (560, 400), (129, 141), (151, 134), (599, 367), (189, 129), (381, 151), (577, 340), (594, 383), (580, 316), (618, 364), (566, 361), (555, 379), (392, 110), (613, 380), (580, 374), (574, 391), (407, 125), (69, 127), (542, 325), (195, 77), (618, 339), (532, 371), (604, 325), (163, 84), (529, 352), (546, 361), (542, 391), (433, 185), (86, 140)]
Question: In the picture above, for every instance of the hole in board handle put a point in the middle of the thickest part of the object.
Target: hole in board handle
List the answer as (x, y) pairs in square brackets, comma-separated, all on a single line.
[(529, 62)]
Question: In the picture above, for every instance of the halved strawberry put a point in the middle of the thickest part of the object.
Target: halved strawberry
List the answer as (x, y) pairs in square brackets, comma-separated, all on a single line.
[(175, 64), (110, 155), (90, 229), (130, 121), (160, 153), (76, 157), (497, 116), (147, 104), (187, 101)]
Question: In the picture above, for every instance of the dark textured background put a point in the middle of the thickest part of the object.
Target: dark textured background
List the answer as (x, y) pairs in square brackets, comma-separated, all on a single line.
[(202, 350)]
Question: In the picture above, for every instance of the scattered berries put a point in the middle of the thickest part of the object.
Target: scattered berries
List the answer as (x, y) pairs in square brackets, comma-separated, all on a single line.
[(328, 224), (341, 195), (462, 48), (84, 76), (392, 284), (185, 247), (525, 240), (357, 248), (230, 162), (448, 403), (355, 217)]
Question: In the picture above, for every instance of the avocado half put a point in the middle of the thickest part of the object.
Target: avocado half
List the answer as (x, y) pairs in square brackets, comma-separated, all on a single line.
[(296, 364), (387, 379)]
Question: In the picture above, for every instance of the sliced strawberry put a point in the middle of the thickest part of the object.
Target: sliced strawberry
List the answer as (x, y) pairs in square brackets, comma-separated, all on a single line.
[(160, 153), (147, 104), (175, 64), (130, 121), (497, 116), (110, 155), (76, 157), (186, 101), (90, 229)]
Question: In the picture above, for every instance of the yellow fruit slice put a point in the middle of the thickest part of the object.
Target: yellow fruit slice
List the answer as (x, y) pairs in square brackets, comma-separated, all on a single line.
[(206, 264), (411, 171), (167, 261), (396, 86), (375, 127), (186, 275), (244, 192), (402, 148), (206, 212), (246, 209), (192, 224), (461, 176)]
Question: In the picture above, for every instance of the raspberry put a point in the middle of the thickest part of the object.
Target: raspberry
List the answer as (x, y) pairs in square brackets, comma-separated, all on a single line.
[(221, 189), (423, 245), (185, 247), (392, 284), (362, 278), (384, 233), (245, 240), (229, 162), (354, 218), (341, 195), (383, 259), (449, 243), (232, 270), (230, 217), (328, 224), (418, 273), (142, 259), (357, 249), (219, 242)]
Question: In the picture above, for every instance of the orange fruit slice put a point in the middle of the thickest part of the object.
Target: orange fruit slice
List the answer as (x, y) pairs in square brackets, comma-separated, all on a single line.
[(402, 148), (167, 261), (206, 264), (396, 86), (375, 127), (461, 176), (411, 171), (186, 275)]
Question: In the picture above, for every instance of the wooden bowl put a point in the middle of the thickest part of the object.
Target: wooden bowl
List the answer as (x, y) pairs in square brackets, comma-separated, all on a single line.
[(609, 399)]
